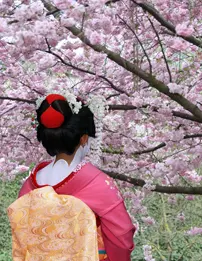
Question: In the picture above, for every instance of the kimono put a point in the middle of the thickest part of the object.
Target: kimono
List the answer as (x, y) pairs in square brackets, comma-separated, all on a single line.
[(99, 193)]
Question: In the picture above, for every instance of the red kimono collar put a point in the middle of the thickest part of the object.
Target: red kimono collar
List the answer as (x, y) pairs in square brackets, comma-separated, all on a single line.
[(43, 165)]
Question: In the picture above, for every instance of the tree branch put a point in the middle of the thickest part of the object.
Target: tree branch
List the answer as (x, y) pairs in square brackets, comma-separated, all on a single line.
[(111, 2), (162, 50), (8, 111), (159, 188), (17, 99), (152, 149), (26, 138), (151, 10), (175, 113), (112, 95), (160, 86), (52, 10), (140, 43), (116, 107), (185, 116), (161, 145), (191, 136)]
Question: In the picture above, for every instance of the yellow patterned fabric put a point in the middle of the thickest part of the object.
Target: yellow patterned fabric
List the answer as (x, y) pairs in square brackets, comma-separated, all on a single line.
[(51, 227)]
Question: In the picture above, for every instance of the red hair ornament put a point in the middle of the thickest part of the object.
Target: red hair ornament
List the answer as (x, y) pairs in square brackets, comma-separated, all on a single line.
[(52, 118)]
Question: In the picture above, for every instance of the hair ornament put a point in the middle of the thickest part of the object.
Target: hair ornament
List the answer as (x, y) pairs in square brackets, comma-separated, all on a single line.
[(70, 97), (96, 104), (52, 118), (73, 103), (34, 122)]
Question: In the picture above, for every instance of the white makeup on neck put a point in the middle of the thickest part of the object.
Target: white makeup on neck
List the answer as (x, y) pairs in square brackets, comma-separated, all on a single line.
[(83, 150)]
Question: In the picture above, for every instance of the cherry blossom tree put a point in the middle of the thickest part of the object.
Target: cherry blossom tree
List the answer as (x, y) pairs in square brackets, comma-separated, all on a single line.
[(144, 57)]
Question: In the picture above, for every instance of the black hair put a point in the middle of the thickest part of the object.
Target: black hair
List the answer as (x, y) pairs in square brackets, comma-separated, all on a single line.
[(65, 138)]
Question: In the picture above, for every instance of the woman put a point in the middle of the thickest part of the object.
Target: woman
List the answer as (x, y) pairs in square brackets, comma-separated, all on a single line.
[(67, 136)]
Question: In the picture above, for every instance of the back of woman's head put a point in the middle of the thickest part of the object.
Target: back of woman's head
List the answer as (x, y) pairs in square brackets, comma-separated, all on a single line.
[(59, 129)]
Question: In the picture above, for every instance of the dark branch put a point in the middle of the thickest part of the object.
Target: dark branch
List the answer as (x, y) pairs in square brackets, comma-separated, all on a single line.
[(185, 116), (17, 99), (151, 10), (162, 49), (175, 113), (161, 145), (140, 43), (112, 1), (53, 12), (152, 149), (135, 153), (191, 136), (25, 138), (159, 188), (8, 111), (112, 95), (149, 78), (116, 107), (49, 48)]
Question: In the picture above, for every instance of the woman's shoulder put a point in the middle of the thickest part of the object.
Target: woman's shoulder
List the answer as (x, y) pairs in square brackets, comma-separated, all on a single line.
[(101, 173), (102, 184)]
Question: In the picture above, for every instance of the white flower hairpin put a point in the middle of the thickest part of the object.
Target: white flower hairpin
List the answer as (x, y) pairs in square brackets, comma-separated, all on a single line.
[(97, 105)]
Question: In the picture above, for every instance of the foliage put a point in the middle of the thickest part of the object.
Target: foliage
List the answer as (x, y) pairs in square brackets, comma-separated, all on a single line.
[(8, 194), (167, 236)]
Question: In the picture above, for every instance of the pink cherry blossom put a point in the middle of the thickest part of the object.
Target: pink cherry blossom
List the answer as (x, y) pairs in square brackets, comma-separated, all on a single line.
[(184, 30), (179, 44), (95, 38), (175, 88), (63, 4)]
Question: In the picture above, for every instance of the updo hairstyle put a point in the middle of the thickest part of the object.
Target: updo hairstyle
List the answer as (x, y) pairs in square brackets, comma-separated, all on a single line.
[(65, 138)]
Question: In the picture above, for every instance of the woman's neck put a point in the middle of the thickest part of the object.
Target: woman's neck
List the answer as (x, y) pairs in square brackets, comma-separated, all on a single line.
[(66, 157)]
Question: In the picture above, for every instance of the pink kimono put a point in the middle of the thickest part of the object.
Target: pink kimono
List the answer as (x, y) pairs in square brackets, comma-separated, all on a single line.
[(98, 191)]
